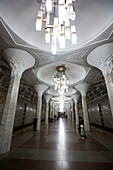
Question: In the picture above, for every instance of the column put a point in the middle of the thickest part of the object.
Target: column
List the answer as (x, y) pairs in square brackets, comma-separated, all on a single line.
[(54, 105), (75, 98), (83, 88), (71, 102), (47, 98), (19, 61), (40, 90), (102, 58), (51, 108)]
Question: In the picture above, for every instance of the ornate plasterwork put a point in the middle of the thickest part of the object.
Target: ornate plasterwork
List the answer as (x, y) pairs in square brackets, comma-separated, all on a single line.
[(47, 98), (19, 61), (102, 58), (40, 88), (82, 88), (75, 97), (106, 65)]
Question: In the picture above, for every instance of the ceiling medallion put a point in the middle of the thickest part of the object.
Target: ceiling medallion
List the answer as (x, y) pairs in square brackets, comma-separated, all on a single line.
[(57, 16)]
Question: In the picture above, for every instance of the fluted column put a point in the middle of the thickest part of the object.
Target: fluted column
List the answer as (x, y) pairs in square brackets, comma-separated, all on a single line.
[(71, 102), (51, 108), (83, 89), (47, 98), (54, 105), (40, 90), (75, 98), (19, 61), (102, 58)]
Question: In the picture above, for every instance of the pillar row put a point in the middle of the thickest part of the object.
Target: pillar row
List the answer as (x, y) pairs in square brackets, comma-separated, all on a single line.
[(19, 61)]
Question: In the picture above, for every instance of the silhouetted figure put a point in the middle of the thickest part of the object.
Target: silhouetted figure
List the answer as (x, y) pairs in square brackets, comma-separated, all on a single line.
[(62, 116), (35, 122)]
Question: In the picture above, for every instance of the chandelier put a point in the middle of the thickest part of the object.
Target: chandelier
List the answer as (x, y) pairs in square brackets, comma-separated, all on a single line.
[(61, 81), (57, 15)]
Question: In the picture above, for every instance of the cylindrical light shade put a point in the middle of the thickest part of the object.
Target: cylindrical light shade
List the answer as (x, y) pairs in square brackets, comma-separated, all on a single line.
[(38, 24), (47, 35), (48, 5), (74, 36)]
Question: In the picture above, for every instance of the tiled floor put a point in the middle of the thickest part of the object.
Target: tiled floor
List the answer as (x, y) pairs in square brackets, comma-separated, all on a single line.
[(58, 147)]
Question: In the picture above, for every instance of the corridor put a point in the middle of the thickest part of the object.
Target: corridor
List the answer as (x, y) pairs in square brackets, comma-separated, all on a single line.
[(57, 147)]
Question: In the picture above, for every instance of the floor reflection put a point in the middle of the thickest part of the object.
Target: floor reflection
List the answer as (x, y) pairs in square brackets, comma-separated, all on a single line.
[(61, 136)]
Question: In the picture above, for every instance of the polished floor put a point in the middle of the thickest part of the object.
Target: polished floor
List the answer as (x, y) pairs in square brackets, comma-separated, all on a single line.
[(57, 147)]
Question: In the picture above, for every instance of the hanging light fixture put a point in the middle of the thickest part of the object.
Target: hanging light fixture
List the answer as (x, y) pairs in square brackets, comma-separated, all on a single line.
[(61, 81), (57, 15)]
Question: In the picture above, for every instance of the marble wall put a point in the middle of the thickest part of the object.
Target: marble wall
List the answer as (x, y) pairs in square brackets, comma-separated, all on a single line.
[(25, 110), (100, 112)]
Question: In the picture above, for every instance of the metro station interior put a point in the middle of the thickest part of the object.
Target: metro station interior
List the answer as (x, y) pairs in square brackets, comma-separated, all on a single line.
[(57, 70)]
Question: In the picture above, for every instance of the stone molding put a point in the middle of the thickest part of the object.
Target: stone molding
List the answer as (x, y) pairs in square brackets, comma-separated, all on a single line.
[(19, 60), (40, 88), (82, 88), (75, 97), (47, 98), (102, 58), (71, 102)]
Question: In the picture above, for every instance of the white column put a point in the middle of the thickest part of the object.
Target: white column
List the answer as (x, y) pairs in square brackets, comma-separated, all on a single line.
[(19, 61), (51, 108), (83, 88), (71, 102), (75, 98), (40, 90), (54, 105), (102, 58), (47, 98)]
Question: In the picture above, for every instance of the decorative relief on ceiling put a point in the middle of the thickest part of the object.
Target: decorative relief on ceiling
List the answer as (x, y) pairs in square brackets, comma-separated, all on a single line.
[(5, 34), (91, 75), (98, 78)]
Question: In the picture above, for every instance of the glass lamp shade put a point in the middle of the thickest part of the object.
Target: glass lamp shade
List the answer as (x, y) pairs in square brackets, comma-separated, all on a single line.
[(47, 35), (38, 24), (74, 36), (48, 5)]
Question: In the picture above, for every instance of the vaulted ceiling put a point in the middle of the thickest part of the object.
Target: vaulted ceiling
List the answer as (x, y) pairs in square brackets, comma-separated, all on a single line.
[(94, 25)]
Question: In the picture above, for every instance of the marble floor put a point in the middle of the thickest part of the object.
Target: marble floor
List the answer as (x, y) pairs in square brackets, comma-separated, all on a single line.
[(57, 147)]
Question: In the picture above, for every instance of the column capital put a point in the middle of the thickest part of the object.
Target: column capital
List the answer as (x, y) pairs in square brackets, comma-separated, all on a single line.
[(47, 97), (82, 88), (71, 102), (102, 58), (75, 97), (40, 88), (19, 60)]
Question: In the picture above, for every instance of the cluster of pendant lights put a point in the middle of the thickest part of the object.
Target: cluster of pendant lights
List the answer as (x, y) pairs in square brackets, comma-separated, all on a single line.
[(61, 84), (57, 15), (61, 81)]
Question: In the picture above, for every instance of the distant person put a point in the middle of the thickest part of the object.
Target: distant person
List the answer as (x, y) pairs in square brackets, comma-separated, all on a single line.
[(81, 129), (35, 122), (62, 116)]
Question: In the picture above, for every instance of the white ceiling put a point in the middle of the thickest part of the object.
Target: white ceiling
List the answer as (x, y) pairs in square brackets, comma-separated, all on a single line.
[(92, 18), (94, 24)]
